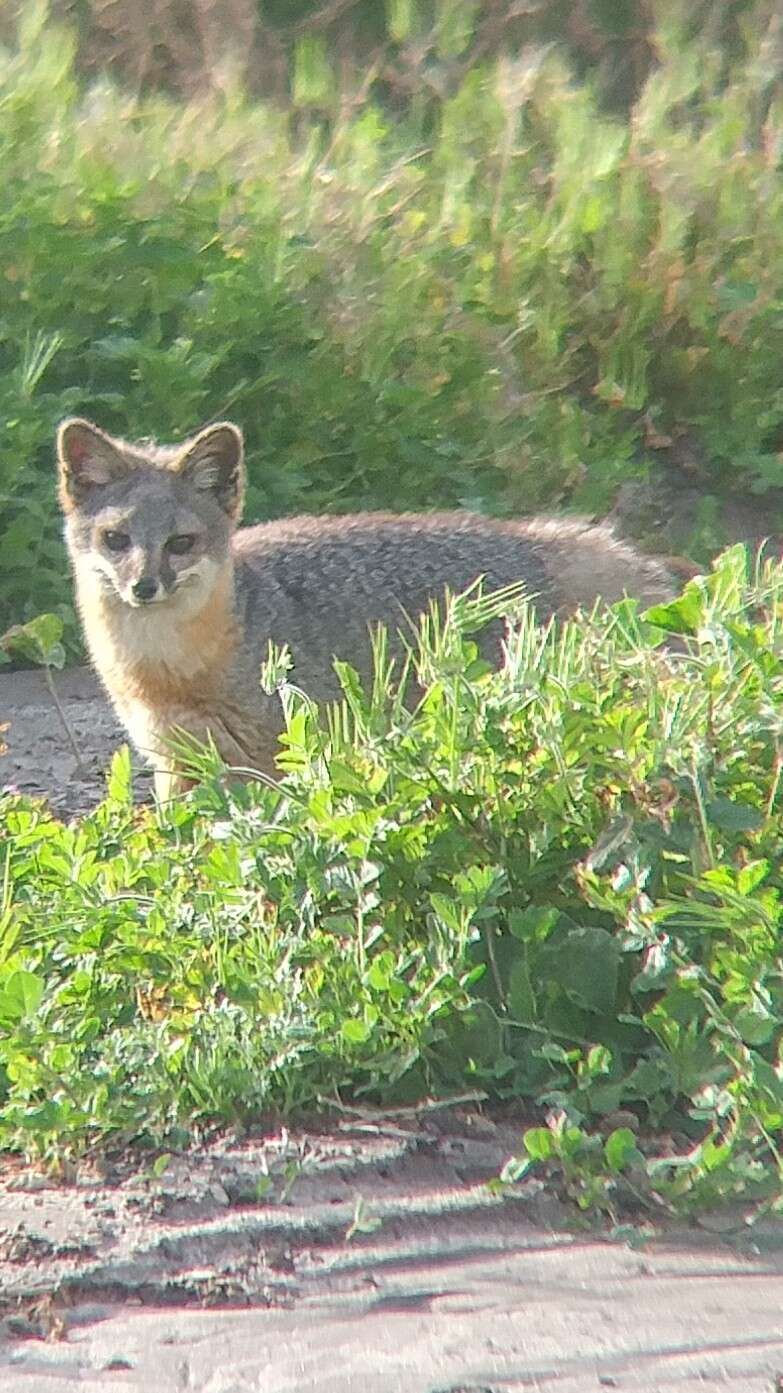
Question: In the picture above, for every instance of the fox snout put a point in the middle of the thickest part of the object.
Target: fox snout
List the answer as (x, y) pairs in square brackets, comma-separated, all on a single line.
[(144, 589), (139, 575), (142, 579)]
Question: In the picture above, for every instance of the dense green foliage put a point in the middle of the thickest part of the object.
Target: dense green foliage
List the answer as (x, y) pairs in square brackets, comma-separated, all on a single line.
[(438, 260), (507, 300), (559, 881)]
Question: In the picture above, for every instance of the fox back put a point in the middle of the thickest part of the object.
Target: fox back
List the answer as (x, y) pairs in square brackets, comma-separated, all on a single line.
[(179, 605)]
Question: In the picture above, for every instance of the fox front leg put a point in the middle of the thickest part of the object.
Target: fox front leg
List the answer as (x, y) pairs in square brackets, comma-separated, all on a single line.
[(169, 783)]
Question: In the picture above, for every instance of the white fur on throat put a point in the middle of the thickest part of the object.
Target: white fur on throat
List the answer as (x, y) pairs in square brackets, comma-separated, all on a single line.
[(121, 635)]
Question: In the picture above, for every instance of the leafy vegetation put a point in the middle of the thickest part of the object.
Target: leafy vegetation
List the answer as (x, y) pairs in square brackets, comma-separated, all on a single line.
[(556, 881), (501, 297), (425, 256)]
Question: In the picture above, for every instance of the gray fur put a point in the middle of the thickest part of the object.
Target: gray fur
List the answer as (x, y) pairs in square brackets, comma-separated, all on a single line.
[(314, 583)]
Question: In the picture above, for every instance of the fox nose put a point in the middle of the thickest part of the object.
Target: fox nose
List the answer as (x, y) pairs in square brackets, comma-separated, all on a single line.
[(144, 589)]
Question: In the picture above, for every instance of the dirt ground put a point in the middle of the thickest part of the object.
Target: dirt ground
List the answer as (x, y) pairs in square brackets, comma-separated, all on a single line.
[(39, 759), (243, 1219), (367, 1258)]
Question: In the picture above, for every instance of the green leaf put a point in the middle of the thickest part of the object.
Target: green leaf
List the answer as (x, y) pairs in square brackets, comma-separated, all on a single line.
[(355, 1032), (454, 26), (399, 18), (313, 82), (533, 924), (586, 963), (750, 877), (521, 992), (754, 1024), (21, 995), (730, 569), (683, 615), (379, 975), (539, 1143), (731, 816), (119, 786), (621, 1150), (39, 641), (449, 911), (515, 1169)]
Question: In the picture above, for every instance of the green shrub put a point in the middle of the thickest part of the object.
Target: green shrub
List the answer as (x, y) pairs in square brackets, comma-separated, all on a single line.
[(507, 309), (559, 881)]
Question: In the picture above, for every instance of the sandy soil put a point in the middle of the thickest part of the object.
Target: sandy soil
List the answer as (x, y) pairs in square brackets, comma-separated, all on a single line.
[(246, 1218), (366, 1258), (39, 760)]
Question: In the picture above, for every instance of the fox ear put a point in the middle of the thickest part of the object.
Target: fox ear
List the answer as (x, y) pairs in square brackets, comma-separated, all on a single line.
[(87, 459), (213, 462)]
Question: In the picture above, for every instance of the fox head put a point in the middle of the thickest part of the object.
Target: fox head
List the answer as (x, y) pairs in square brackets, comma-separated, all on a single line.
[(150, 524)]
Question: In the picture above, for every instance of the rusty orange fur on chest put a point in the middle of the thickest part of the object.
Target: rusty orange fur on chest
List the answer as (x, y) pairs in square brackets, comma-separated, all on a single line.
[(210, 639), (181, 662), (162, 688)]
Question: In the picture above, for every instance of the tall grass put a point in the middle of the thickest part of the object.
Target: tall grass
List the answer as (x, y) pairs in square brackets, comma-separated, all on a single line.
[(519, 302)]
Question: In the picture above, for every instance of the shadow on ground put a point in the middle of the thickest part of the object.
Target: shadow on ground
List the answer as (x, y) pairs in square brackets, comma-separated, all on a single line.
[(369, 1258)]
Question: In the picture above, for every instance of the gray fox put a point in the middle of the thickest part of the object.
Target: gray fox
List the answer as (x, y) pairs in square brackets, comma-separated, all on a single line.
[(178, 604)]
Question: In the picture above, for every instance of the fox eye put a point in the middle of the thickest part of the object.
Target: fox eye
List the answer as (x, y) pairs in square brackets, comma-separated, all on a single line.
[(116, 541), (181, 543)]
